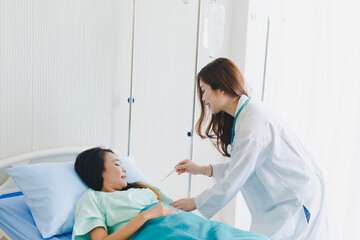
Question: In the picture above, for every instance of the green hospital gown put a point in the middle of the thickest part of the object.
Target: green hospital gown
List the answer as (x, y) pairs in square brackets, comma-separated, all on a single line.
[(110, 210)]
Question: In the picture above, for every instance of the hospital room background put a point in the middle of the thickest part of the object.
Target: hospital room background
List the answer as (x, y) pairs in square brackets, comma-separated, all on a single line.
[(120, 74)]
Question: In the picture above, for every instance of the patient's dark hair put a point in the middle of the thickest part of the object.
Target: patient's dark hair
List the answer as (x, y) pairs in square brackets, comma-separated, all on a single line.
[(90, 165)]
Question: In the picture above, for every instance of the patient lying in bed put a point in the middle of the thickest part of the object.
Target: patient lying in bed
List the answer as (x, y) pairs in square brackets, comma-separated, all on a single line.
[(114, 209)]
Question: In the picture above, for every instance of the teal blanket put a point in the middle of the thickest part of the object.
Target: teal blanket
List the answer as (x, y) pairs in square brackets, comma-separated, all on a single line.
[(186, 225)]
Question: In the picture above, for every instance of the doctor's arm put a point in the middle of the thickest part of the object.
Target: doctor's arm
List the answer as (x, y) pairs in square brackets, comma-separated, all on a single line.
[(246, 156), (216, 171), (187, 166)]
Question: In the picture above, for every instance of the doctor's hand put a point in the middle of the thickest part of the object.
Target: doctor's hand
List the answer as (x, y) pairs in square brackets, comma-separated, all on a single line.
[(185, 204), (187, 166)]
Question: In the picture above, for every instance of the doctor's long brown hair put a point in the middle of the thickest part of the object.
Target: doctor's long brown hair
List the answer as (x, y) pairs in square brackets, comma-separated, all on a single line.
[(220, 74)]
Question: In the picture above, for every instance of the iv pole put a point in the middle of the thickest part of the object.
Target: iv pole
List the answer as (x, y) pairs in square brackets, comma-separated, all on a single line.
[(191, 134), (265, 58), (131, 100)]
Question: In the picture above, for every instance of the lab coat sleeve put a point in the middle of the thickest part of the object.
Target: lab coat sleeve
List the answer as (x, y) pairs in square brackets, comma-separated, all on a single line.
[(246, 156), (219, 170)]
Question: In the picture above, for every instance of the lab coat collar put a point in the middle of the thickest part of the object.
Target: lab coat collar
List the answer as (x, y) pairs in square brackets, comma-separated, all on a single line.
[(241, 102)]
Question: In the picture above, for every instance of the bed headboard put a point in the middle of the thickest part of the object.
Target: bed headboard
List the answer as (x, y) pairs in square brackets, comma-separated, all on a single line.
[(47, 155)]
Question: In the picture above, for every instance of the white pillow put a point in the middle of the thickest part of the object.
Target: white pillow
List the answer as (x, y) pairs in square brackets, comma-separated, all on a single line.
[(133, 173), (51, 191)]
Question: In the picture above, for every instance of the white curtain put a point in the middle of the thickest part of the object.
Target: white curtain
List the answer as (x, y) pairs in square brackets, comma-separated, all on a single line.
[(313, 80)]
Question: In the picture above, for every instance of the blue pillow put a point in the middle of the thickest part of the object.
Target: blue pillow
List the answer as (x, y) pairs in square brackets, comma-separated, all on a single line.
[(51, 191)]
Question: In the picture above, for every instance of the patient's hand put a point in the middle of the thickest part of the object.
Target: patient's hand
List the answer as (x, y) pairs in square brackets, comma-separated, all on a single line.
[(185, 204), (157, 211)]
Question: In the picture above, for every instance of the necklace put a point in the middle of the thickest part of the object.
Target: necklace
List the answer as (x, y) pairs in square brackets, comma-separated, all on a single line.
[(236, 116)]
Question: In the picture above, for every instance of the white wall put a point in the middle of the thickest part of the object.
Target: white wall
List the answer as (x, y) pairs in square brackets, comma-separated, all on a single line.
[(164, 70), (59, 65), (312, 80)]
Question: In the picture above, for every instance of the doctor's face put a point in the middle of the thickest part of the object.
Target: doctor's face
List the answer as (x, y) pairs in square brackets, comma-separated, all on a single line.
[(114, 174), (213, 99)]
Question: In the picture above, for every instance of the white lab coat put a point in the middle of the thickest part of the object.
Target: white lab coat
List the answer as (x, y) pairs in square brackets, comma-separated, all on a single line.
[(275, 175)]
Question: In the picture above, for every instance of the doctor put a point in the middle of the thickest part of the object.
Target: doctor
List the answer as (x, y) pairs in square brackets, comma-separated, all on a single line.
[(283, 188)]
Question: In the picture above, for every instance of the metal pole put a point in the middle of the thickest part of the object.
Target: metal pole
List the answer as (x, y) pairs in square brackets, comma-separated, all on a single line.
[(131, 77), (266, 53), (194, 96)]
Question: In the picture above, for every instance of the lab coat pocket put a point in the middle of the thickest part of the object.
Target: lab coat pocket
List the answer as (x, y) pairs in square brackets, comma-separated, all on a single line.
[(287, 220), (301, 221)]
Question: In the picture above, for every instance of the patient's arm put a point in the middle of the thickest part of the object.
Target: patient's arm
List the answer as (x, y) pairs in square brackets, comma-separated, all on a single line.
[(130, 228)]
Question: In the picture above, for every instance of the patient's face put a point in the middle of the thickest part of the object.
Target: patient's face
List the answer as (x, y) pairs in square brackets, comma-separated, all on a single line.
[(114, 174)]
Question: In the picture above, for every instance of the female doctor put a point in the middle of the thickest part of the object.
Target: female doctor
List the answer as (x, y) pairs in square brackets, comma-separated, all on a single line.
[(282, 186)]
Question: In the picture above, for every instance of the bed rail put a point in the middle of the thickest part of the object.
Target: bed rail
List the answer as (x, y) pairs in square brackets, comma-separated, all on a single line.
[(6, 183), (41, 154)]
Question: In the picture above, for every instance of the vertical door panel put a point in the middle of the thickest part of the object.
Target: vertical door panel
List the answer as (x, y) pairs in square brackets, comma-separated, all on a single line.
[(164, 68), (64, 74), (74, 80), (15, 73), (123, 17)]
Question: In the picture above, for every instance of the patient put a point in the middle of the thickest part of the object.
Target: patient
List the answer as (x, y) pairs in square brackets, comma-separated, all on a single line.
[(114, 209)]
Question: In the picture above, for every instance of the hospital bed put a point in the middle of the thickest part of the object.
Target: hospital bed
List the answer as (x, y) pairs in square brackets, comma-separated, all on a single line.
[(41, 205), (16, 218)]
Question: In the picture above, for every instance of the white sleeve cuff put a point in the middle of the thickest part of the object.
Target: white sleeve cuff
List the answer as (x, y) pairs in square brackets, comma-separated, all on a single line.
[(200, 201)]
